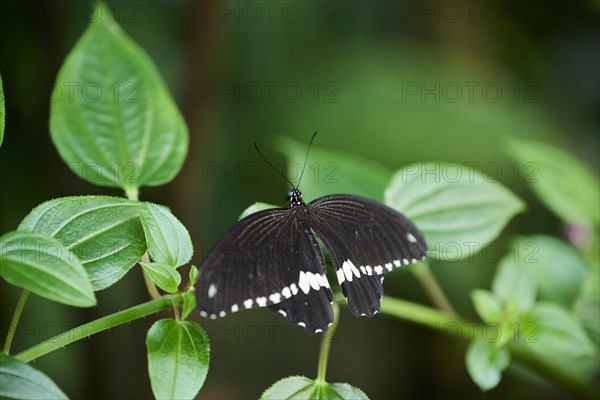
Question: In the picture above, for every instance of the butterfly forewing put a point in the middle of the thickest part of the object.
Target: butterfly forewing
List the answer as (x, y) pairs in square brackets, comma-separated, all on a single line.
[(365, 239), (267, 259)]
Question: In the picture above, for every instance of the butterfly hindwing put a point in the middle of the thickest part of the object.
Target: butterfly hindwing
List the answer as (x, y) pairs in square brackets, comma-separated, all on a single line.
[(365, 240), (269, 258)]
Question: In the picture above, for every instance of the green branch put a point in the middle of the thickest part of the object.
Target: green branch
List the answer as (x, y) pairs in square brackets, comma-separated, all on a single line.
[(432, 287), (12, 328), (326, 340), (469, 330), (97, 326)]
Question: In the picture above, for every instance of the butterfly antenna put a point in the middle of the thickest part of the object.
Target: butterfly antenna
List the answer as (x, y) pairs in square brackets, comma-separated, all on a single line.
[(272, 166), (306, 159)]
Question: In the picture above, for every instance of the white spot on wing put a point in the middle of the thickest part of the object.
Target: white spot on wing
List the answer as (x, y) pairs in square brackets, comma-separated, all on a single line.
[(388, 266), (204, 313), (303, 282), (212, 291), (282, 313), (234, 308), (354, 270), (286, 292), (397, 263), (294, 289), (302, 324), (411, 238), (378, 269), (261, 301), (347, 270), (221, 313), (369, 270), (312, 279), (248, 303), (318, 330), (275, 298), (340, 276)]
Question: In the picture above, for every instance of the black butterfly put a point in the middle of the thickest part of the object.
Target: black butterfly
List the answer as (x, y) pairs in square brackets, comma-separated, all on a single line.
[(272, 259)]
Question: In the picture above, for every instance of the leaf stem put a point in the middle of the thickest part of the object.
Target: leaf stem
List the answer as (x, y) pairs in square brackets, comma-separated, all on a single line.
[(468, 331), (99, 325), (150, 285), (12, 328), (432, 287), (326, 340)]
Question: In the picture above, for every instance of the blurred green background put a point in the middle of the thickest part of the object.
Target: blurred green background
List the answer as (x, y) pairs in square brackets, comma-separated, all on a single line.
[(395, 82)]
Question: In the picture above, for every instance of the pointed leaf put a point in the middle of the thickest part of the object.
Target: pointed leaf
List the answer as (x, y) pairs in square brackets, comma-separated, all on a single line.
[(164, 276), (485, 363), (193, 275), (515, 282), (458, 210), (112, 118), (178, 356), (104, 232), (42, 265), (566, 185), (488, 305), (189, 302), (168, 240), (21, 381)]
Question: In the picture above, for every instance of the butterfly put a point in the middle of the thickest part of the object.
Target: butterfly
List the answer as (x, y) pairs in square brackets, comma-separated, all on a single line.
[(272, 259)]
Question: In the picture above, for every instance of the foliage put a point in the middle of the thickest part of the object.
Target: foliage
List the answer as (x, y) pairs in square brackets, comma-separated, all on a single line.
[(542, 306)]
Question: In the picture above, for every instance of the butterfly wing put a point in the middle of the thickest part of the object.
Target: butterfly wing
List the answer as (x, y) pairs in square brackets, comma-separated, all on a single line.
[(269, 258), (365, 240)]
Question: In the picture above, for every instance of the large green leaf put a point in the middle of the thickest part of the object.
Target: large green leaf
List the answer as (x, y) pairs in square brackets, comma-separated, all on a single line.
[(457, 209), (562, 182), (558, 268), (104, 232), (302, 388), (485, 363), (332, 171), (1, 112), (42, 265), (178, 356), (112, 118), (21, 381), (556, 331), (168, 240)]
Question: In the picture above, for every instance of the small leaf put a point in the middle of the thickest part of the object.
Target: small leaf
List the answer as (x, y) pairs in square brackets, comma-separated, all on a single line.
[(566, 185), (21, 381), (193, 275), (189, 302), (556, 331), (178, 356), (104, 232), (164, 276), (168, 240), (485, 363), (1, 112), (515, 282), (301, 388), (458, 210), (488, 305), (112, 118), (332, 171), (558, 268), (256, 207), (42, 265)]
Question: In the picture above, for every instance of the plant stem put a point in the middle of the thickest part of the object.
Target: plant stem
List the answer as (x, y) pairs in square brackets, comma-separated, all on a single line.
[(468, 331), (326, 340), (97, 326), (12, 328), (432, 287)]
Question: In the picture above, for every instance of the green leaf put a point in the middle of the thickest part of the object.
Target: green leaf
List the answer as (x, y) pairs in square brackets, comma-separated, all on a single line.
[(567, 186), (104, 232), (458, 210), (168, 240), (332, 171), (256, 207), (42, 265), (302, 388), (164, 276), (587, 306), (112, 118), (515, 282), (193, 275), (21, 381), (558, 268), (189, 302), (485, 363), (1, 112), (178, 356), (488, 305), (554, 330)]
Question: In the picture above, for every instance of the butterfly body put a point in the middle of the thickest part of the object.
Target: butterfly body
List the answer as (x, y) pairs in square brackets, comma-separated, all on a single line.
[(272, 259)]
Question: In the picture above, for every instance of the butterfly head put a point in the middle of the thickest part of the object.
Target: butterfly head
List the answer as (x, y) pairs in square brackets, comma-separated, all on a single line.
[(294, 198)]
